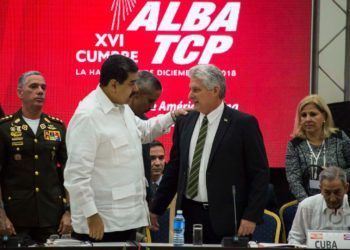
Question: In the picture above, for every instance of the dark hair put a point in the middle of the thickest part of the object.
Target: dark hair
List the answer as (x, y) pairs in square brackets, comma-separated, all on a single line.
[(117, 67), (156, 143), (147, 82)]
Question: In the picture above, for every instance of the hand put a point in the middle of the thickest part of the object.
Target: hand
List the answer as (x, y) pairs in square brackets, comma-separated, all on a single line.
[(96, 227), (154, 222), (179, 112), (6, 226), (246, 228), (65, 226)]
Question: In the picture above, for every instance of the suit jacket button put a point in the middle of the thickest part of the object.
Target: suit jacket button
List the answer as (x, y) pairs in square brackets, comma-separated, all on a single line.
[(36, 157), (37, 189)]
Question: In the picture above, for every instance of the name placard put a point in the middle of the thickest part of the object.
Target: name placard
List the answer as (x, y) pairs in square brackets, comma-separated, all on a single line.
[(328, 239)]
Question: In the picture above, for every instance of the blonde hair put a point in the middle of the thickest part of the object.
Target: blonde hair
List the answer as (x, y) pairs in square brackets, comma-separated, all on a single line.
[(328, 125)]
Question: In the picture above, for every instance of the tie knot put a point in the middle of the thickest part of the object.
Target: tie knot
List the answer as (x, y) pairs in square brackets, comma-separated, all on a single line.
[(205, 120)]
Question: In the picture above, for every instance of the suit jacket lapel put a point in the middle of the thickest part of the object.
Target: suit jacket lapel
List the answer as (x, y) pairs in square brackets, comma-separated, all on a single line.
[(44, 125), (19, 121), (224, 124)]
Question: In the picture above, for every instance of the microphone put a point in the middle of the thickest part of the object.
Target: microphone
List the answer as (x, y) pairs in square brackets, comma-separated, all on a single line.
[(235, 241)]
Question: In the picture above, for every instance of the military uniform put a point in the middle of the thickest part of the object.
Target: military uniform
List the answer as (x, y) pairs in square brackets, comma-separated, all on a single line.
[(32, 170)]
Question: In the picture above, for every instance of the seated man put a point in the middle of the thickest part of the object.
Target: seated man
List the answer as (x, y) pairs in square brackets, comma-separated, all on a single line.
[(157, 154), (326, 211)]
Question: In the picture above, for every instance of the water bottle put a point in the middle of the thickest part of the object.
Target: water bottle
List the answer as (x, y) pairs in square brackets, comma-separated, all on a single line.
[(179, 229)]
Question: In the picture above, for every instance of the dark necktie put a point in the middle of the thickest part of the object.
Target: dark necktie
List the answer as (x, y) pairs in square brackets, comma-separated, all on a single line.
[(192, 181), (154, 187)]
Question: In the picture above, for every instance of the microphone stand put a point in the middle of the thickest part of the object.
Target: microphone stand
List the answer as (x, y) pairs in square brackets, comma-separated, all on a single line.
[(235, 241)]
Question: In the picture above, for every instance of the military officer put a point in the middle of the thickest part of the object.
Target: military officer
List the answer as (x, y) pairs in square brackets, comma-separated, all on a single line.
[(32, 157)]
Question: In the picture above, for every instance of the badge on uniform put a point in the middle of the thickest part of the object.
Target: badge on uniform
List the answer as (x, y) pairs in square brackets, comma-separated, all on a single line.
[(25, 127), (16, 134), (42, 126), (17, 143), (52, 135), (51, 127), (17, 138), (17, 157), (15, 129)]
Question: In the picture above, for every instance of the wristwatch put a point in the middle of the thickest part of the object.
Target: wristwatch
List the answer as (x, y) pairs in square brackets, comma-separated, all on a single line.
[(66, 205)]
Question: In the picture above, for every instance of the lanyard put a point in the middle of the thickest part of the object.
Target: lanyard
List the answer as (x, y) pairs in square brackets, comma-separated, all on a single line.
[(313, 156)]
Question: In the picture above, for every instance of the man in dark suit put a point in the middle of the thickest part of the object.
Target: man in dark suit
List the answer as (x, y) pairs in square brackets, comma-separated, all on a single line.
[(32, 154), (157, 153), (214, 148)]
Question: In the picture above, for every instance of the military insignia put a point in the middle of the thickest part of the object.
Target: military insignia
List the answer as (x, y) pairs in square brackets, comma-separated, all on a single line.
[(17, 120), (16, 133), (12, 129), (52, 135), (17, 143), (56, 119), (17, 157), (51, 127), (18, 128), (8, 117), (17, 138), (42, 126), (47, 120), (25, 127)]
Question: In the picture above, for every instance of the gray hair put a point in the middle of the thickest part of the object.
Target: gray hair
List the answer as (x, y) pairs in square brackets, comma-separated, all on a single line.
[(333, 173), (22, 79), (211, 76), (147, 82)]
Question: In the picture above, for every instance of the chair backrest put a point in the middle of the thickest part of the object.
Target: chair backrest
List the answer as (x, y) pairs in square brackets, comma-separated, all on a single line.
[(269, 231), (287, 213)]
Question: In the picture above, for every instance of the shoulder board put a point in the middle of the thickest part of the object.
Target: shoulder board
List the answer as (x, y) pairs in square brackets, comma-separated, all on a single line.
[(6, 118), (55, 119)]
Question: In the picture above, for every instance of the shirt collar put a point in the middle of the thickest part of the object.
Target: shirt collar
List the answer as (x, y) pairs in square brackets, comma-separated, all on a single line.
[(213, 115), (106, 103), (159, 180)]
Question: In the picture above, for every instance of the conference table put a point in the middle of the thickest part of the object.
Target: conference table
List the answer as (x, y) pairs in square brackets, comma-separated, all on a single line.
[(144, 246)]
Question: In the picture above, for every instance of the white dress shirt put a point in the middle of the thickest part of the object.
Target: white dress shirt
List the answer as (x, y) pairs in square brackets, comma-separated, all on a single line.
[(213, 124), (313, 214), (104, 172)]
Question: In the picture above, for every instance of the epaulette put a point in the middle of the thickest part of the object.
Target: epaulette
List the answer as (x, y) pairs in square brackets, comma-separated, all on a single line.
[(55, 119), (6, 118)]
